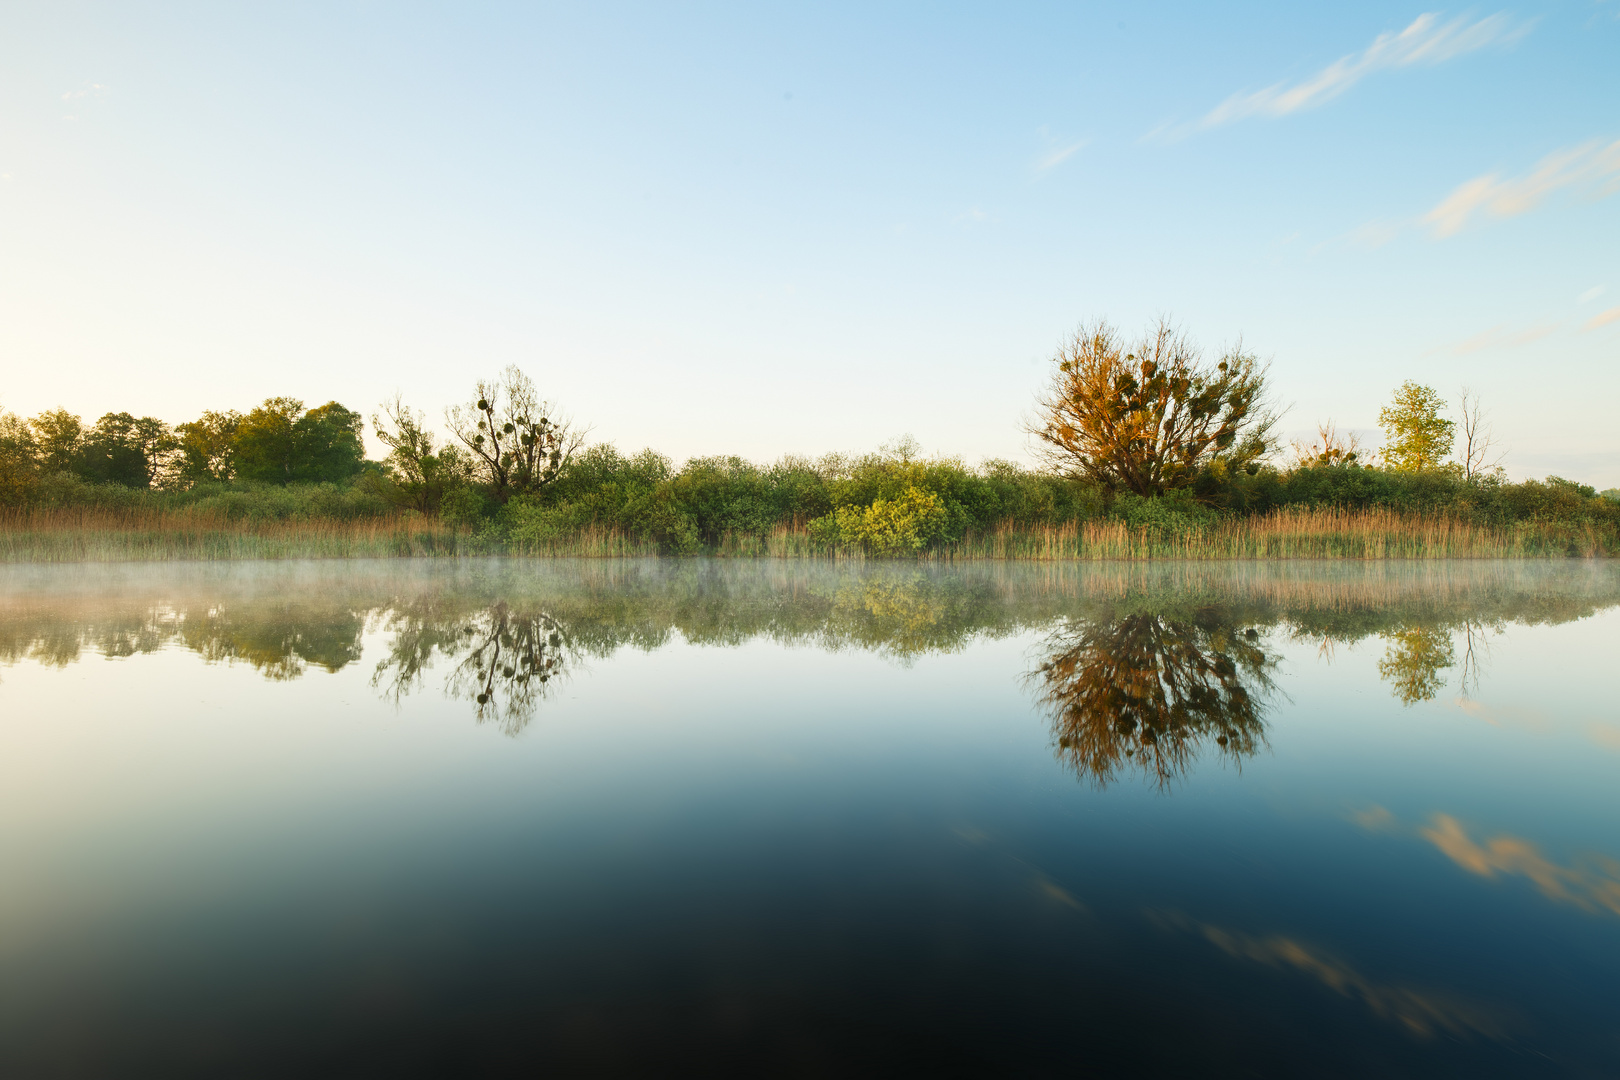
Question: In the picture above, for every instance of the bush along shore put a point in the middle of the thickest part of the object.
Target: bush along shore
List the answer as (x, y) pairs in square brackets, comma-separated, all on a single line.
[(1148, 452), (885, 505)]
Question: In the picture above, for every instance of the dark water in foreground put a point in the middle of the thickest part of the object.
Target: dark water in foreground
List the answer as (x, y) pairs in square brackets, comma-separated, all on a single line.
[(560, 818)]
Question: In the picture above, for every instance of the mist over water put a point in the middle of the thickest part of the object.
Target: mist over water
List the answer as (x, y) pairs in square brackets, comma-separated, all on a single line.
[(403, 818)]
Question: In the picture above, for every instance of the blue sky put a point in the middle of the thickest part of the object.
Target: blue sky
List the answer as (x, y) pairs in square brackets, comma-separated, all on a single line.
[(767, 229)]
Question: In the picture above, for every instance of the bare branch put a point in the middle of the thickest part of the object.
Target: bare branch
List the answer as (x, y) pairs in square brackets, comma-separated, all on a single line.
[(1479, 440)]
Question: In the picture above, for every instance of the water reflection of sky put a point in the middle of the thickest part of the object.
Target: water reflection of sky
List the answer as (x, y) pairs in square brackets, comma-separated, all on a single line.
[(796, 816)]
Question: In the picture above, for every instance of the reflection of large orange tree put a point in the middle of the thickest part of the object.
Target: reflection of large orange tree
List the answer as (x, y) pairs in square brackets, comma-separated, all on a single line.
[(1144, 694)]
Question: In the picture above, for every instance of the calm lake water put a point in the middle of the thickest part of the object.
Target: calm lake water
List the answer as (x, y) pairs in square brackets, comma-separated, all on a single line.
[(519, 818)]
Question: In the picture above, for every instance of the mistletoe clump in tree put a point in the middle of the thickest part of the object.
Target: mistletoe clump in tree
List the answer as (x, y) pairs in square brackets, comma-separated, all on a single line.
[(1150, 416), (517, 442)]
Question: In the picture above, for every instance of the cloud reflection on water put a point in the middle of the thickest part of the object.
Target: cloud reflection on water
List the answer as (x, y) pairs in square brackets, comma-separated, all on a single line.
[(1422, 1013), (1592, 885)]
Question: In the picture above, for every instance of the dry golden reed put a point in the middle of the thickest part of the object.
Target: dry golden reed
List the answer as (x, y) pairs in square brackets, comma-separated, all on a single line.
[(89, 535)]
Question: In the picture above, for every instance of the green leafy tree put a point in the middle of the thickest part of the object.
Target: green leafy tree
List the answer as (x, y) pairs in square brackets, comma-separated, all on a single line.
[(1416, 436), (517, 442), (19, 459), (280, 443), (208, 446), (328, 443), (1149, 416), (418, 472), (124, 449), (59, 435), (263, 445)]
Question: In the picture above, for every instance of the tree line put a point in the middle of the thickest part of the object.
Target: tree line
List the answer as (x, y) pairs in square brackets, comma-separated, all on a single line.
[(1145, 429), (279, 442)]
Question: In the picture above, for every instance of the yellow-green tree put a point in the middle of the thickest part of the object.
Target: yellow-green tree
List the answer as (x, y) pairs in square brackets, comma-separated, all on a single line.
[(59, 436), (19, 459), (417, 472), (279, 442), (1416, 436), (207, 446)]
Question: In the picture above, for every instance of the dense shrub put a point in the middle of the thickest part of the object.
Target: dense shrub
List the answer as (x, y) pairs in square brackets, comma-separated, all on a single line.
[(886, 503)]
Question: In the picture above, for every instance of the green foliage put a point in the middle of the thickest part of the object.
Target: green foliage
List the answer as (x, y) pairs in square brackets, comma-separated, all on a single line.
[(19, 452), (122, 449), (463, 505), (417, 474), (234, 501), (1177, 513), (208, 447), (1416, 436), (904, 525), (280, 443), (58, 435)]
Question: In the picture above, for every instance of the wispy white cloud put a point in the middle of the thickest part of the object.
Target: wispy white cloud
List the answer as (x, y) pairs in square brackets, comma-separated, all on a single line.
[(1059, 156), (1058, 150), (1500, 336), (93, 90), (1592, 165), (1603, 318), (1590, 294), (1427, 41)]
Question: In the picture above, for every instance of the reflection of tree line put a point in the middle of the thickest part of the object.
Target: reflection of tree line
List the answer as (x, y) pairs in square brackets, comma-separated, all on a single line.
[(1142, 666)]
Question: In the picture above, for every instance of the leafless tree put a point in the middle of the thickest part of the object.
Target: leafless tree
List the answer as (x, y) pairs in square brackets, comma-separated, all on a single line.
[(1330, 448), (1479, 440), (517, 441)]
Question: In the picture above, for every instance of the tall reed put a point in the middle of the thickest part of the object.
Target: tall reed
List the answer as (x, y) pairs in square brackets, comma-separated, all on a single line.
[(1293, 534), (91, 535), (1283, 534), (99, 535)]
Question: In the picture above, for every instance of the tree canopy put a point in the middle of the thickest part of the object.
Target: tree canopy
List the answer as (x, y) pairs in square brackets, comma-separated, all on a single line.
[(1149, 416), (279, 442), (517, 442), (1416, 436)]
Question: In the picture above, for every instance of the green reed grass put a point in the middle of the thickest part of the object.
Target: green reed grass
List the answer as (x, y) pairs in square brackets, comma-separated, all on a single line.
[(90, 535), (1283, 534), (100, 535), (1295, 534)]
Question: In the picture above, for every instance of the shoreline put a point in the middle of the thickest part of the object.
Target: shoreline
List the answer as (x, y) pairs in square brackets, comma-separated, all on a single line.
[(48, 537)]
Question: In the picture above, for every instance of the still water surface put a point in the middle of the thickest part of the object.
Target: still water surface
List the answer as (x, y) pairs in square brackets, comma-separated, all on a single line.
[(570, 817)]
